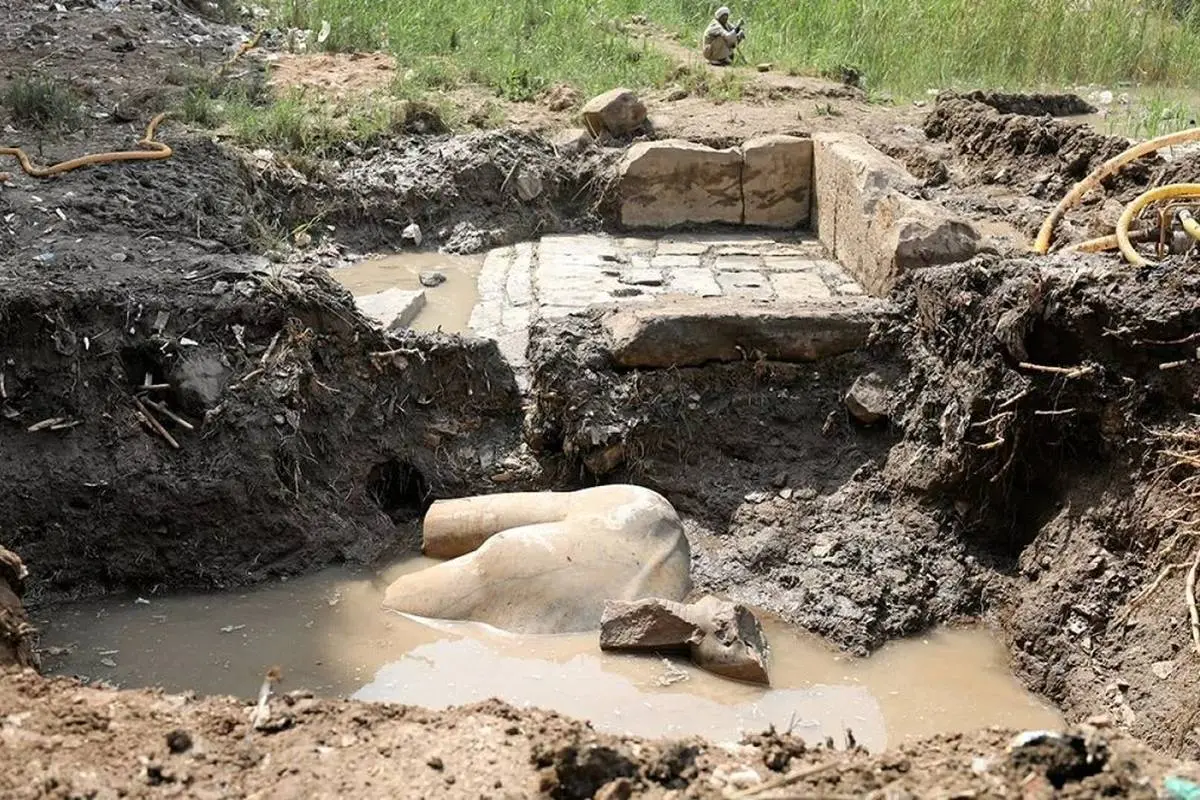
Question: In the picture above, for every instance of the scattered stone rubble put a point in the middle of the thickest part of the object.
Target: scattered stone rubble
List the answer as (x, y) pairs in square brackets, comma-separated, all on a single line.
[(722, 637)]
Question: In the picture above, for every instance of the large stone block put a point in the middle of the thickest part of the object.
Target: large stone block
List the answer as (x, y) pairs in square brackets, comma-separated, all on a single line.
[(673, 182), (392, 309), (868, 217), (617, 112), (777, 181), (692, 331)]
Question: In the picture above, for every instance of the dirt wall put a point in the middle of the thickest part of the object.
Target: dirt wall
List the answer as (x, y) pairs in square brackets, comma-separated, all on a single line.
[(305, 445)]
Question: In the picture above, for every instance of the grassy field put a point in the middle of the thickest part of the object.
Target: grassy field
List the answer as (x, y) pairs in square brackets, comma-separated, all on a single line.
[(903, 46)]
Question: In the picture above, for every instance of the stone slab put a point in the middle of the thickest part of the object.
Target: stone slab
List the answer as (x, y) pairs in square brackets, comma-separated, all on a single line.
[(745, 284), (800, 286), (668, 183), (392, 309), (693, 280), (694, 331), (777, 177)]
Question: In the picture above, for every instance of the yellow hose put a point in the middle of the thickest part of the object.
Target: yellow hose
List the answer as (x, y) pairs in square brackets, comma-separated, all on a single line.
[(1042, 245), (1189, 224), (1141, 201), (154, 150), (1102, 243)]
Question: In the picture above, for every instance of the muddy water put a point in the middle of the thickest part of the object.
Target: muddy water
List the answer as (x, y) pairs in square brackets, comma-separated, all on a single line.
[(328, 634), (447, 307)]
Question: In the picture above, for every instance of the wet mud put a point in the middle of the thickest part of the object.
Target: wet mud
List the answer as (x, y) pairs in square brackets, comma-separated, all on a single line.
[(1025, 476)]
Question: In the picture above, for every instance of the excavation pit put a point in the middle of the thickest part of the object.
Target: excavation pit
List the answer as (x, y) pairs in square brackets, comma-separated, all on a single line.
[(329, 629)]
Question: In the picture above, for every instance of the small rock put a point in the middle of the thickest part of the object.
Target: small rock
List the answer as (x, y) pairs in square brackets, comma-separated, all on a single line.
[(1162, 669), (108, 662), (435, 762), (179, 741), (869, 399), (756, 497), (529, 186), (118, 257), (572, 141), (302, 238), (412, 233), (785, 493), (432, 278), (764, 67)]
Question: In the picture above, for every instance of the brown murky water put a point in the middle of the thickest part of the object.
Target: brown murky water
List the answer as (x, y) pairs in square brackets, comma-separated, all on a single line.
[(328, 634), (447, 307)]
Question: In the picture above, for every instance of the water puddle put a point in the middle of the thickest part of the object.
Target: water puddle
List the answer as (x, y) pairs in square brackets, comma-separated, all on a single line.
[(1141, 112), (328, 634), (447, 306)]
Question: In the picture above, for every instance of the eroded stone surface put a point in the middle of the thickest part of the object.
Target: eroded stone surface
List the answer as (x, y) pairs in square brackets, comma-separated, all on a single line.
[(694, 331), (777, 181), (867, 217), (673, 182)]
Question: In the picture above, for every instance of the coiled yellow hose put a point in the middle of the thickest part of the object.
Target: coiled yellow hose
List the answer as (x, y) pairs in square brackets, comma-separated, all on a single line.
[(1042, 245), (1157, 194)]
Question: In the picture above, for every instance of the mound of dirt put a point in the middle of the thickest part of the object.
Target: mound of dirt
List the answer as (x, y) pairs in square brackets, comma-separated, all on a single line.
[(73, 741), (304, 442), (1011, 148), (1033, 105), (1033, 397), (467, 192)]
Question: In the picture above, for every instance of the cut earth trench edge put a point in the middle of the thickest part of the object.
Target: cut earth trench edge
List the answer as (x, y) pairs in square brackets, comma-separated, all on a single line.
[(890, 529)]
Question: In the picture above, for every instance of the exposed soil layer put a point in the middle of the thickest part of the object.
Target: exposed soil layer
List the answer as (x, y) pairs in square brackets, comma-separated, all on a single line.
[(1021, 476), (82, 741), (1031, 494), (1017, 167), (305, 445)]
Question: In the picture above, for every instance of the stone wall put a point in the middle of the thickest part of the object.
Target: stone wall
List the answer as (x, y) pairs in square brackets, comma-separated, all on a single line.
[(766, 182), (864, 206), (868, 218)]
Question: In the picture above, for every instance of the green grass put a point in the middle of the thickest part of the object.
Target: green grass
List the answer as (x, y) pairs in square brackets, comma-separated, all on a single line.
[(904, 46), (41, 103), (308, 123), (1151, 115)]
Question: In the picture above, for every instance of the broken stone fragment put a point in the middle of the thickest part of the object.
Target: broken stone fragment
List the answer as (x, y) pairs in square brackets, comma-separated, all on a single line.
[(617, 112), (412, 233), (572, 141), (869, 399), (392, 309), (722, 637)]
